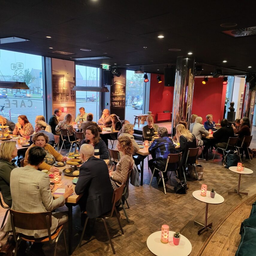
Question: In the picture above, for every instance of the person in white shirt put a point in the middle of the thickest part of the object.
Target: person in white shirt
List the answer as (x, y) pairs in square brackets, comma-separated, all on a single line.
[(82, 116)]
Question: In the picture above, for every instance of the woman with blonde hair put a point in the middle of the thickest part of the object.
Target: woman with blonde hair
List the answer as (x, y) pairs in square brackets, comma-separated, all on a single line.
[(125, 164), (42, 118), (149, 129), (67, 125), (186, 140), (5, 121), (8, 151)]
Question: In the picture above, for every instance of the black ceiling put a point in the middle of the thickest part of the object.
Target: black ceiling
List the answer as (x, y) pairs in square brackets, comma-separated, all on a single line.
[(119, 29)]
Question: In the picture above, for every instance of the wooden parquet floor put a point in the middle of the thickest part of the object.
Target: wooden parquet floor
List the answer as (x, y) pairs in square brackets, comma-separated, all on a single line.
[(150, 208)]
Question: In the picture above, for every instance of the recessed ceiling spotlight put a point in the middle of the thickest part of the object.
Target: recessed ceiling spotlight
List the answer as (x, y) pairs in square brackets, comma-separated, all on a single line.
[(145, 47), (158, 69), (48, 37), (224, 61), (161, 36), (50, 47), (249, 66), (190, 53), (127, 64), (85, 50)]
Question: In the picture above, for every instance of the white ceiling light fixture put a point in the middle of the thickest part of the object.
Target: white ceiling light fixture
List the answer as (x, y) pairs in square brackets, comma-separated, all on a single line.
[(85, 50), (249, 66), (48, 37), (161, 36), (190, 53), (224, 61)]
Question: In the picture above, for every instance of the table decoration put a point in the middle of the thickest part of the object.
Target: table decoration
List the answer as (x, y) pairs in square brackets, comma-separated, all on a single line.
[(176, 238), (165, 234), (203, 190), (239, 166)]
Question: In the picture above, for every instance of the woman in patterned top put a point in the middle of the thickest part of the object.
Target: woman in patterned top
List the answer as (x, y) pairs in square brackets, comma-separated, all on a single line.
[(23, 128)]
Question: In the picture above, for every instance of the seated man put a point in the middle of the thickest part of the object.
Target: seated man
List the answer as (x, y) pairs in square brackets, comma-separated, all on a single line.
[(40, 127), (105, 119), (94, 184), (149, 129), (221, 135), (160, 149), (30, 190), (82, 116), (54, 120), (209, 124), (89, 122)]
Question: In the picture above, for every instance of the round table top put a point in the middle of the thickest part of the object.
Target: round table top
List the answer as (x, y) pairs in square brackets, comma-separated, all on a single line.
[(218, 199), (158, 248), (244, 171)]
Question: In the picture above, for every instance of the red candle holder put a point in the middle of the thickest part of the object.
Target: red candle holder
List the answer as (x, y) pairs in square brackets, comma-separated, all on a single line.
[(203, 190), (165, 234), (56, 177), (239, 167)]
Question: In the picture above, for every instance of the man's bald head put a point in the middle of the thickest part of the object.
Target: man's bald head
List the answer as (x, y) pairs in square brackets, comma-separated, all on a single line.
[(86, 151)]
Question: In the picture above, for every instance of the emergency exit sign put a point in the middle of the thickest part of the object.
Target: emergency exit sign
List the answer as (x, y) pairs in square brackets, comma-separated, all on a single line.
[(105, 66)]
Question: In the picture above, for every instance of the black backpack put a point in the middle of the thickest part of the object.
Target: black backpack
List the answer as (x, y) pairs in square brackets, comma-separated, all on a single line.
[(231, 158)]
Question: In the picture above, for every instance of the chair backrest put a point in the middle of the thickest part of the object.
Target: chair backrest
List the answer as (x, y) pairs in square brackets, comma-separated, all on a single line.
[(173, 158), (117, 195), (79, 135), (247, 141), (56, 139), (31, 221), (192, 155), (232, 142), (114, 155)]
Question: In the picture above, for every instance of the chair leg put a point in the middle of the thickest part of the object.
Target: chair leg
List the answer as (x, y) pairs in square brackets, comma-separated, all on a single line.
[(65, 241), (118, 219), (125, 213), (105, 224), (152, 177), (128, 206), (82, 236), (61, 146), (5, 217), (162, 175)]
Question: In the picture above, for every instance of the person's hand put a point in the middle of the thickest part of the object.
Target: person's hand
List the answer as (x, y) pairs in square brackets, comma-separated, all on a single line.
[(64, 159), (54, 169), (97, 156), (68, 191)]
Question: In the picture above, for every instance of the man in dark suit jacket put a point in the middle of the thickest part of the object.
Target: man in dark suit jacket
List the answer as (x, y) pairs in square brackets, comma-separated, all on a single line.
[(54, 120), (94, 184)]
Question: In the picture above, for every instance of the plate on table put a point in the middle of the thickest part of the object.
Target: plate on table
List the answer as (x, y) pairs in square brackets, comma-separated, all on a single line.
[(25, 145), (70, 172), (59, 164), (5, 138), (74, 181)]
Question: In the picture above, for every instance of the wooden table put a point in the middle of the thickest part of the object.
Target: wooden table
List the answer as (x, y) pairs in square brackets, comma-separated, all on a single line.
[(70, 202), (143, 152), (245, 171), (155, 245), (218, 199), (140, 118)]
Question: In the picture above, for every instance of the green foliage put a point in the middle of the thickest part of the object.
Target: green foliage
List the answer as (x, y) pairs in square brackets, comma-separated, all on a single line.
[(177, 235)]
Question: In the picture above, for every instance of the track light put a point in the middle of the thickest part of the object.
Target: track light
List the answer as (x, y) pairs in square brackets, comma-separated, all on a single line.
[(225, 80), (205, 80), (159, 80), (146, 78)]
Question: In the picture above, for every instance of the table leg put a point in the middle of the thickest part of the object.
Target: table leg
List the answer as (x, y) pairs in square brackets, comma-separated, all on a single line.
[(70, 228), (205, 225), (142, 172), (238, 187)]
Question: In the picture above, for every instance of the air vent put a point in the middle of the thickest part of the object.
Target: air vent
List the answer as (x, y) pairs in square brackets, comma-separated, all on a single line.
[(242, 32)]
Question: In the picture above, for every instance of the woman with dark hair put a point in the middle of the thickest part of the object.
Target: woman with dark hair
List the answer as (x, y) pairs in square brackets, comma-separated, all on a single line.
[(23, 128), (8, 151), (92, 137), (125, 164), (67, 125), (245, 129), (116, 123), (41, 140)]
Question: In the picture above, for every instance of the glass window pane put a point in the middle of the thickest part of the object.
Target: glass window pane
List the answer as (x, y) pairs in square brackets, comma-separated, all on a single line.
[(21, 67), (88, 76)]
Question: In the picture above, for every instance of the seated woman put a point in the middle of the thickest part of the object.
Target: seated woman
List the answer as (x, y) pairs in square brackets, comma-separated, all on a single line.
[(186, 139), (221, 135), (8, 151), (149, 129), (89, 122), (209, 124), (41, 118), (125, 164), (116, 123), (23, 128), (41, 140), (6, 122), (192, 122), (66, 124), (92, 137)]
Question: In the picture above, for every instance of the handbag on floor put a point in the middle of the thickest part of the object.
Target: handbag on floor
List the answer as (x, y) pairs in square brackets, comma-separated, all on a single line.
[(231, 159)]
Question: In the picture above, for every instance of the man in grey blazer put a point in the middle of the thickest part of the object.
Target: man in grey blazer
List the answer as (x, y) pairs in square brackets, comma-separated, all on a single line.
[(30, 190)]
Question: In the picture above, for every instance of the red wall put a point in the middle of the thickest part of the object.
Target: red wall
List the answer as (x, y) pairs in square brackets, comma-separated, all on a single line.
[(209, 98), (161, 97)]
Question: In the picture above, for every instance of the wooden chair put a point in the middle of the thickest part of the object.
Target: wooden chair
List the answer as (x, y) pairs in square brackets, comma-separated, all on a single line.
[(35, 221), (114, 156), (65, 137), (79, 137), (5, 206), (171, 159), (191, 159), (244, 146), (56, 141), (114, 211), (231, 145)]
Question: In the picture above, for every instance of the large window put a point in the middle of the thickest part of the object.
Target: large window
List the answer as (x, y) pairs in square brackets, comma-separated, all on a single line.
[(88, 76), (21, 67)]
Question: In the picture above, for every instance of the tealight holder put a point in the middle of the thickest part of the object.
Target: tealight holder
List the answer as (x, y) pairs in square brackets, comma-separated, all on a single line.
[(203, 190), (165, 234), (56, 177), (239, 167), (146, 143)]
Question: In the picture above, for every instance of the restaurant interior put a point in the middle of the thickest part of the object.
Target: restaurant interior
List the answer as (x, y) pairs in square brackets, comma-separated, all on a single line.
[(124, 56)]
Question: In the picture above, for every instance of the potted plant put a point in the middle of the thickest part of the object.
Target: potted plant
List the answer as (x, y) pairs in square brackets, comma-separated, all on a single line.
[(212, 193), (176, 238)]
